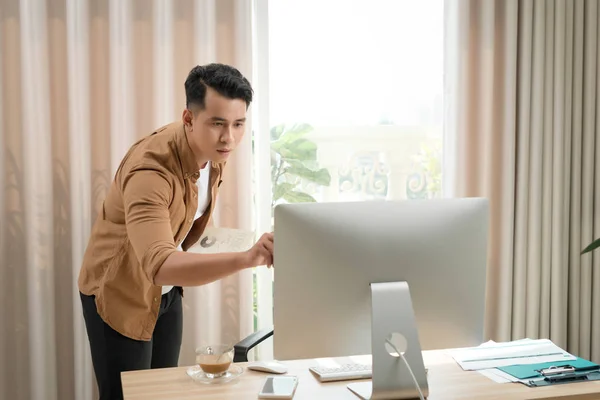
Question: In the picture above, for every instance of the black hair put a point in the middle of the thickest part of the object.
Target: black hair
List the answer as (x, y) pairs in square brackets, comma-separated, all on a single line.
[(224, 79)]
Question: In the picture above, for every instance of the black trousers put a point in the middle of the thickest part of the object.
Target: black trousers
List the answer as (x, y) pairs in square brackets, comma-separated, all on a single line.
[(113, 353)]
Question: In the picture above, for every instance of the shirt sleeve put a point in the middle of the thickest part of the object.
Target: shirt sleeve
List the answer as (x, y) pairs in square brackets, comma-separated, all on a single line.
[(147, 194)]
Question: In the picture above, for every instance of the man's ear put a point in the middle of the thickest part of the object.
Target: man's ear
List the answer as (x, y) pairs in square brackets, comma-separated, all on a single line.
[(187, 117)]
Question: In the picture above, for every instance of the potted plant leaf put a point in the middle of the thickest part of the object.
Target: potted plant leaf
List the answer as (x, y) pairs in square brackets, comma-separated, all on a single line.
[(293, 160), (594, 245)]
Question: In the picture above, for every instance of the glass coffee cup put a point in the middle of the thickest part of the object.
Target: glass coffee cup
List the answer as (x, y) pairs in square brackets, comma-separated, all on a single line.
[(214, 360)]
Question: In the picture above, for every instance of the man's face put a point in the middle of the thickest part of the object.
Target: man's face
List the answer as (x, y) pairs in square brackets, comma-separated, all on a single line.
[(215, 131)]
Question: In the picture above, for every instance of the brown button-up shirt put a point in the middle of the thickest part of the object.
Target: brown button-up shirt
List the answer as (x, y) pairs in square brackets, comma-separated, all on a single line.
[(147, 213)]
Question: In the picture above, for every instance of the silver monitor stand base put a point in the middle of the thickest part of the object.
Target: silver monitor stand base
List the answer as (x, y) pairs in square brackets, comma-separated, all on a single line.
[(393, 318), (362, 389)]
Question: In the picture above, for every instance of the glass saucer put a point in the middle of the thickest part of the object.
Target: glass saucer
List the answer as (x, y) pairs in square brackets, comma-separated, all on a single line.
[(198, 375)]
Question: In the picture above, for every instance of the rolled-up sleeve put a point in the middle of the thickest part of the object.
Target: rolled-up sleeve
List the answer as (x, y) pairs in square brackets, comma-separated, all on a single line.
[(147, 194)]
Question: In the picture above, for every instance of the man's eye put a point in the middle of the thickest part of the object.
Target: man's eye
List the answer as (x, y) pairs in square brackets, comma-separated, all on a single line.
[(217, 123), (239, 125)]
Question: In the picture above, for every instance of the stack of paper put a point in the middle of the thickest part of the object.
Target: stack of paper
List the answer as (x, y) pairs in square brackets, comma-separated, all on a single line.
[(492, 355), (224, 240), (497, 375), (489, 356)]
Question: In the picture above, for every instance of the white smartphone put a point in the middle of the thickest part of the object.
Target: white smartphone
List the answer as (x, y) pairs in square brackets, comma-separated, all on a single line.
[(279, 387)]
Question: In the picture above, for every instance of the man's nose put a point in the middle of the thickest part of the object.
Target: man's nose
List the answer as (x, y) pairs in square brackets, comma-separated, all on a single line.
[(227, 136)]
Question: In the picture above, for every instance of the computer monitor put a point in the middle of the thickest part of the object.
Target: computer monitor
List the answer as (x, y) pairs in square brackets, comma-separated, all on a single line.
[(327, 255)]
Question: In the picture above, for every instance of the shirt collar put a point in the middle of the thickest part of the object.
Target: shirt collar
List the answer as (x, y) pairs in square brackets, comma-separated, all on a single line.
[(186, 155)]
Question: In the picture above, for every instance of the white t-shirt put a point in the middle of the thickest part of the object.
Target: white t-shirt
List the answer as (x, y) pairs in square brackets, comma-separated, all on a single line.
[(203, 201)]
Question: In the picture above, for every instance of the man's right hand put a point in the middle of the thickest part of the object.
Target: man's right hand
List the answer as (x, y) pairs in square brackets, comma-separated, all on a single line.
[(262, 252)]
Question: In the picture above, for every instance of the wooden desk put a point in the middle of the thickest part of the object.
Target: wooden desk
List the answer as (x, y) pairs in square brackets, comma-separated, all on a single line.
[(447, 381)]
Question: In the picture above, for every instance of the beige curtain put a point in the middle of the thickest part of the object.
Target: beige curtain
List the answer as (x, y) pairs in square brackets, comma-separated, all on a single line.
[(80, 80), (523, 129)]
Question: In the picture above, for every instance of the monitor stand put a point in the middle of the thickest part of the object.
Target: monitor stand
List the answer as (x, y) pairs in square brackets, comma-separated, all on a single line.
[(393, 318)]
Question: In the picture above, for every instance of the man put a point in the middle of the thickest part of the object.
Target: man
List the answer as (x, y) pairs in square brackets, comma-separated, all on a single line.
[(159, 203)]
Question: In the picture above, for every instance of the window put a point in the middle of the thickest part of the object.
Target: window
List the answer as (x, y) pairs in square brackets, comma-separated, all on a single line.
[(355, 102)]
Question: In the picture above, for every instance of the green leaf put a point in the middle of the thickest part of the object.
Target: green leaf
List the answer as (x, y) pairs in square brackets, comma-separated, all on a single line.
[(289, 135), (593, 246), (320, 177), (292, 162), (284, 142), (281, 189), (276, 131), (300, 149), (298, 197), (276, 146), (298, 130), (279, 132)]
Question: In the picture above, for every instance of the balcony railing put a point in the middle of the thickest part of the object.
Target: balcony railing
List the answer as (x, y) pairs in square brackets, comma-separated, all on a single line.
[(378, 163)]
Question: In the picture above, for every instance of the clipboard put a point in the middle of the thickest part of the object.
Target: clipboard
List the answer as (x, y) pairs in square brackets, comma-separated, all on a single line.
[(547, 374), (569, 375), (224, 240)]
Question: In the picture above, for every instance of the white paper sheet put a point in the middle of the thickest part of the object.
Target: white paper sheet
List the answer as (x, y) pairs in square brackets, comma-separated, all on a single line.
[(497, 376), (492, 355), (224, 240)]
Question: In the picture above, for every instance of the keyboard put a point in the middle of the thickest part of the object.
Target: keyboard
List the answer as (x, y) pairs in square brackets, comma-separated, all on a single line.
[(342, 372)]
